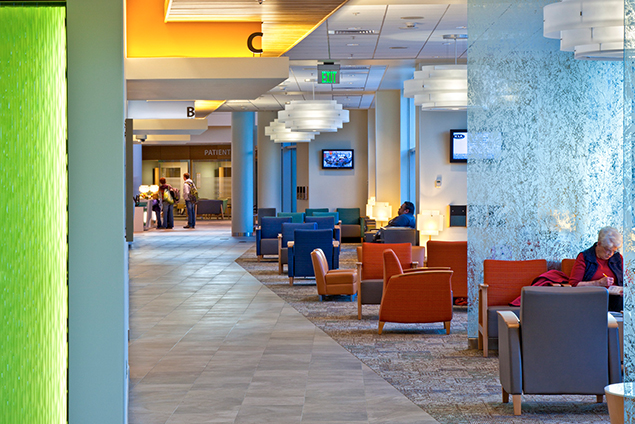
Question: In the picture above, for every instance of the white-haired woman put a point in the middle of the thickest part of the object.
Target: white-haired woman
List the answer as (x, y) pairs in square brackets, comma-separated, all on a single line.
[(602, 265)]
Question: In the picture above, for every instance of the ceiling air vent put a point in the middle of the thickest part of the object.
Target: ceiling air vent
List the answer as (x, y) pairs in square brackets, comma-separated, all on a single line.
[(352, 32)]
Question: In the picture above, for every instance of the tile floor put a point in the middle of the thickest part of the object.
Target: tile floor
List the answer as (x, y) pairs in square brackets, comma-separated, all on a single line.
[(211, 344)]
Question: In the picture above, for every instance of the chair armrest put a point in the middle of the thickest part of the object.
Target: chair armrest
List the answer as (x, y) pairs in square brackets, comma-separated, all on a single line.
[(509, 357), (290, 244), (336, 243), (615, 353), (257, 228)]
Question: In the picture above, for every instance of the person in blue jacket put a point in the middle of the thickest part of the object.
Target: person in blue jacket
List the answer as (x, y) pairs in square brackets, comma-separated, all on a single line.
[(405, 218)]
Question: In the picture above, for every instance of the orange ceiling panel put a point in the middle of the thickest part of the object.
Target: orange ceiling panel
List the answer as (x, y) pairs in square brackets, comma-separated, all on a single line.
[(148, 35)]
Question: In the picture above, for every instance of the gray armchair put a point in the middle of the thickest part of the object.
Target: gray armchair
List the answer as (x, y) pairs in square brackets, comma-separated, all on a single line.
[(564, 343)]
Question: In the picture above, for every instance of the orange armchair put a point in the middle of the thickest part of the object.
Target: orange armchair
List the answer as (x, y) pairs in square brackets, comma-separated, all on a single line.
[(503, 281), (419, 296), (454, 255), (370, 269), (335, 281)]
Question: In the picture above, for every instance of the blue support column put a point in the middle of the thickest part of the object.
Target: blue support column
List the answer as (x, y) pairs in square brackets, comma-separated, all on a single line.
[(242, 173)]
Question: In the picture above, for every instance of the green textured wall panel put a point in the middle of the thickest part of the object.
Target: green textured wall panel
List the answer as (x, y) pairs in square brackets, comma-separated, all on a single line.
[(33, 213)]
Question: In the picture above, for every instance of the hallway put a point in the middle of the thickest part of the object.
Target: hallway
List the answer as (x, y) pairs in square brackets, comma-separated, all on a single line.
[(211, 344)]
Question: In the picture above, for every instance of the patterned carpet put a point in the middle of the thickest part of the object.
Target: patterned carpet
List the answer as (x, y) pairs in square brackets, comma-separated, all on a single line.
[(436, 371)]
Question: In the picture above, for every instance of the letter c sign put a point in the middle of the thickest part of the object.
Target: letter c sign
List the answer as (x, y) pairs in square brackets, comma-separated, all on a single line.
[(250, 42)]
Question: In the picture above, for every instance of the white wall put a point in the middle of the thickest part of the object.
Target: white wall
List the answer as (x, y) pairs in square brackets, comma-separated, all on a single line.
[(336, 188), (98, 252), (434, 160)]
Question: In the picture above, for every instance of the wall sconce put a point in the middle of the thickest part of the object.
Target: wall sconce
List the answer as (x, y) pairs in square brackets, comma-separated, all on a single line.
[(430, 223)]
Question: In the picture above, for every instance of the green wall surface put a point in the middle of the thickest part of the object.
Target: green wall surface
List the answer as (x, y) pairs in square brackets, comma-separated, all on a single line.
[(33, 212)]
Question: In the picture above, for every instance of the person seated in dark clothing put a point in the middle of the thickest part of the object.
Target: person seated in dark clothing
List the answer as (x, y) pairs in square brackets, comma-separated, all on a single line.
[(602, 265), (405, 218)]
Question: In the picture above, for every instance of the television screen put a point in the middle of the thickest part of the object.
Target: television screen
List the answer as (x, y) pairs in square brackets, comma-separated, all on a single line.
[(458, 146), (337, 159)]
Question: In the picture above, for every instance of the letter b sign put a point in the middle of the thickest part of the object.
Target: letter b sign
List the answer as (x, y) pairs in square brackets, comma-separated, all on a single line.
[(191, 113)]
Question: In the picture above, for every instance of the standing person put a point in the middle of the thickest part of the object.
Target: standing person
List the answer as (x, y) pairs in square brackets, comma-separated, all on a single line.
[(602, 265), (167, 203), (190, 203), (156, 207)]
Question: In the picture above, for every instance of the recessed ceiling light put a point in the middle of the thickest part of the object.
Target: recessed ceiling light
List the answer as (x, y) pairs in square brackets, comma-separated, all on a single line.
[(398, 48), (352, 45), (409, 25), (411, 18)]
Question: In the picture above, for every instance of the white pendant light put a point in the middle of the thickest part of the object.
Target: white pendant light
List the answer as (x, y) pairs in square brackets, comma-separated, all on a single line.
[(440, 87), (592, 29), (313, 115), (279, 133)]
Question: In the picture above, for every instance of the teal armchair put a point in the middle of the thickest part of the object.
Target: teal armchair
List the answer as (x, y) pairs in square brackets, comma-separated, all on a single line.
[(296, 217), (352, 225)]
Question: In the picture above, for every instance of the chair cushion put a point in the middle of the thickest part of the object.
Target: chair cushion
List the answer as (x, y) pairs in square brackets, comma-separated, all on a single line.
[(289, 227), (454, 255), (272, 226), (506, 278), (373, 260), (564, 331), (349, 216), (349, 230), (371, 291), (296, 217), (333, 214), (311, 211), (323, 222), (492, 318), (269, 246)]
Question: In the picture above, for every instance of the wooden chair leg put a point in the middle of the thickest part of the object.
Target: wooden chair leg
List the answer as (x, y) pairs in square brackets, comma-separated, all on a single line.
[(359, 306), (446, 324), (600, 398), (290, 281), (517, 400), (279, 267), (259, 258), (381, 326), (505, 396), (485, 346)]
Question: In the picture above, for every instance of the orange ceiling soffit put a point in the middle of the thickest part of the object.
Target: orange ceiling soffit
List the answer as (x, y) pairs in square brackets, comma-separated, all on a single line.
[(148, 35), (284, 22), (205, 107)]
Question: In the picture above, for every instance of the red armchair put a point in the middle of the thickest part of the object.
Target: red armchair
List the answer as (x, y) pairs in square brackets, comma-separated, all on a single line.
[(420, 295)]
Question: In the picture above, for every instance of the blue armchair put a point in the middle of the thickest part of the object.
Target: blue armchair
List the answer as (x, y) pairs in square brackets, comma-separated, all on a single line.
[(565, 342), (326, 223), (267, 235), (312, 211), (296, 217), (285, 236), (305, 241)]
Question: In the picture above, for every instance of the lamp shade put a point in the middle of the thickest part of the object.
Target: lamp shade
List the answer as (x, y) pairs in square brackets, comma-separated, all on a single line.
[(382, 211), (144, 188), (279, 133), (369, 206), (313, 115), (430, 222), (591, 29), (439, 87)]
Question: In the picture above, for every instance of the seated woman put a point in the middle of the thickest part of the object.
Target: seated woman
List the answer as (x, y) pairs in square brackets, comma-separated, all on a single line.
[(602, 265)]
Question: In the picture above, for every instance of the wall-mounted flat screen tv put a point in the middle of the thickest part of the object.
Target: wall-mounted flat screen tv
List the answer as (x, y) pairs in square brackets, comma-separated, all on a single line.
[(458, 146), (337, 159)]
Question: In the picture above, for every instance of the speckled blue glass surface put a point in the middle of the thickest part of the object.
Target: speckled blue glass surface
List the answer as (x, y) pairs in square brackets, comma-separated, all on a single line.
[(629, 203), (545, 142)]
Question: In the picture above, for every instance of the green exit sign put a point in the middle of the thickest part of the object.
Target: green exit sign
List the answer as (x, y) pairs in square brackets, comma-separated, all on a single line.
[(328, 74)]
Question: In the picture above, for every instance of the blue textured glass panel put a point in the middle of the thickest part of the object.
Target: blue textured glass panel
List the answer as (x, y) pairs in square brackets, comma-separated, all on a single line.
[(33, 189), (629, 202), (545, 142)]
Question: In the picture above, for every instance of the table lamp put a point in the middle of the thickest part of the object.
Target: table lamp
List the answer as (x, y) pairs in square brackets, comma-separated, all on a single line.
[(430, 223), (382, 212)]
